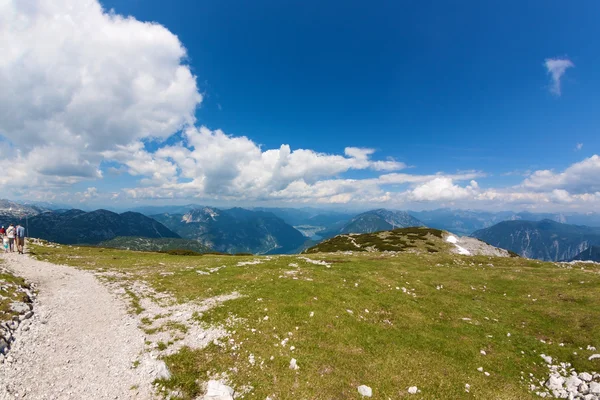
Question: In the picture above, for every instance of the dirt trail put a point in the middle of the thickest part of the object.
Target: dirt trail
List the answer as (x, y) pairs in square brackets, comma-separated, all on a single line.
[(81, 342)]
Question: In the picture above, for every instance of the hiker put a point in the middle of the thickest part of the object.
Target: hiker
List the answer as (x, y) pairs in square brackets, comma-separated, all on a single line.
[(20, 238), (2, 231), (10, 233)]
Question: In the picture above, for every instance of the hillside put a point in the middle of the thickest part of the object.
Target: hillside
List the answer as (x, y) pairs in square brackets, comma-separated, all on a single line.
[(235, 230), (449, 326), (543, 240), (154, 244), (412, 240), (80, 227), (592, 253)]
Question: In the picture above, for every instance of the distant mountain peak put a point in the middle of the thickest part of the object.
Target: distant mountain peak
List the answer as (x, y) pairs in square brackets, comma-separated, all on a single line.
[(380, 220), (199, 215)]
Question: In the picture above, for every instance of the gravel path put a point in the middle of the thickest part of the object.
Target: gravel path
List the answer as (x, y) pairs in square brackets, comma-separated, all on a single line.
[(81, 342)]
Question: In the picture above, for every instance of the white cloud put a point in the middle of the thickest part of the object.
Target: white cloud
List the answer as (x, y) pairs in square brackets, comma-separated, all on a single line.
[(442, 189), (578, 146), (77, 80), (212, 163), (557, 67), (578, 178)]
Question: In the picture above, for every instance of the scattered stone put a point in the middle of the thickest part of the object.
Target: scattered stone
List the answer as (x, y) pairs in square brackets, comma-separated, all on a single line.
[(584, 376), (546, 358), (294, 364), (365, 391), (555, 382), (413, 390), (19, 307), (216, 390)]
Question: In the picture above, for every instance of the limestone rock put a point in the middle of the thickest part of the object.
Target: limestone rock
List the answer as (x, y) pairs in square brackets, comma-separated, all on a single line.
[(216, 390), (19, 307), (365, 391)]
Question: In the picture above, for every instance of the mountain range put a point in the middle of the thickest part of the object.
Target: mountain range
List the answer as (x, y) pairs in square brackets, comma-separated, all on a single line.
[(465, 222), (543, 240), (544, 236), (236, 230), (80, 227)]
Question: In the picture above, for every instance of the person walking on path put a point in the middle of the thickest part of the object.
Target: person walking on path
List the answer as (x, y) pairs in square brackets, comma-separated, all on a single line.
[(20, 231), (10, 233)]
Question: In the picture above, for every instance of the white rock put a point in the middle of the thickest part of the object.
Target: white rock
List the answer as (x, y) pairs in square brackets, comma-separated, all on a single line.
[(467, 387), (483, 353), (572, 384), (413, 390), (546, 358), (555, 382), (583, 388), (365, 391), (594, 356), (595, 388), (584, 376), (480, 369), (216, 390), (294, 364)]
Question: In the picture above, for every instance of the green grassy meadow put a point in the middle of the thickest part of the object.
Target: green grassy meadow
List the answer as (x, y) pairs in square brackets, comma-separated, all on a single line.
[(388, 321)]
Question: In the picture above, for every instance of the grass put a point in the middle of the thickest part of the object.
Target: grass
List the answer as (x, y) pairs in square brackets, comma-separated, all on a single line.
[(397, 240), (366, 329)]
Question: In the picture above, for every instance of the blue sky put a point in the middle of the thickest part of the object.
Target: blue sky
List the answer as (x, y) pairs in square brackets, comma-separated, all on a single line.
[(439, 88), (443, 86)]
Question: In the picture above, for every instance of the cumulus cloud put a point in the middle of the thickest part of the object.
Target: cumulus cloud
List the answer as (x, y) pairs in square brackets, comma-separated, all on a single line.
[(77, 80), (556, 68), (442, 189), (578, 178), (212, 163)]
